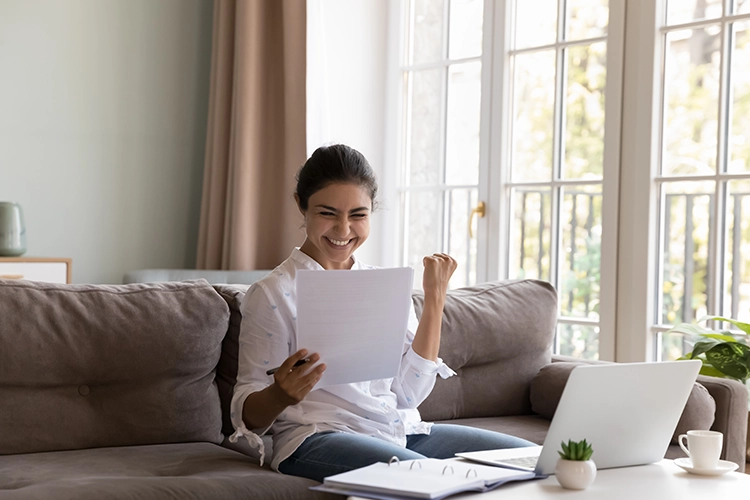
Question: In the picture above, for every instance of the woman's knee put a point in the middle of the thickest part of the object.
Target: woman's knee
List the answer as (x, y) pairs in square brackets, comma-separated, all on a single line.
[(322, 455)]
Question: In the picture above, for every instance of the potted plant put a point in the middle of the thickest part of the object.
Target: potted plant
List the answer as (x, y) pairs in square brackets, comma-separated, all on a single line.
[(723, 353), (575, 470)]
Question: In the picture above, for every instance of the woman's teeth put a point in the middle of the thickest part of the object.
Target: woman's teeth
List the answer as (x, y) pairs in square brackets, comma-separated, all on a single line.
[(340, 243)]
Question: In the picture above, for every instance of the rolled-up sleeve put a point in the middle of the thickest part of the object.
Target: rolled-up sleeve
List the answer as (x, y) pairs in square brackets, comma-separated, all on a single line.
[(263, 343), (417, 375)]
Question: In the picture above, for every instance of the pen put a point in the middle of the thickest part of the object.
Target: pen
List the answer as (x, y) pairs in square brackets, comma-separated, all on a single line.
[(298, 363)]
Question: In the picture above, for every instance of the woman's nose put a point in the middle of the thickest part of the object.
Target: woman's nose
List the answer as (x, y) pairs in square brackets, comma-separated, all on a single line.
[(342, 228)]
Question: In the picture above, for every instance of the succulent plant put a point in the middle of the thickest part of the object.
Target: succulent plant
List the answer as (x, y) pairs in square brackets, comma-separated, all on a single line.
[(576, 450)]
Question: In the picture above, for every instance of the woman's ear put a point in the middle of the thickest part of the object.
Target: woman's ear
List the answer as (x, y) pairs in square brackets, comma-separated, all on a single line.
[(296, 199)]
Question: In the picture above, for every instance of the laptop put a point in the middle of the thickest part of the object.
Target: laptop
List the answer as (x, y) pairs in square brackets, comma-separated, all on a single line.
[(626, 411)]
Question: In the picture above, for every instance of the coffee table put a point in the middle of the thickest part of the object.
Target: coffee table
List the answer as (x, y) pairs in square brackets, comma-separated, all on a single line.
[(660, 481)]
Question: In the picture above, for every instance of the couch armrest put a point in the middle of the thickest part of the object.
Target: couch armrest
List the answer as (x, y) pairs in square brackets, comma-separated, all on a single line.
[(731, 416)]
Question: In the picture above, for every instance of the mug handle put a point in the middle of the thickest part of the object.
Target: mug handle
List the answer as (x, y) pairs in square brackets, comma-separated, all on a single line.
[(682, 445)]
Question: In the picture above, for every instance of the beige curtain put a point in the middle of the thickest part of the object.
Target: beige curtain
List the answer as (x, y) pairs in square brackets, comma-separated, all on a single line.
[(256, 135)]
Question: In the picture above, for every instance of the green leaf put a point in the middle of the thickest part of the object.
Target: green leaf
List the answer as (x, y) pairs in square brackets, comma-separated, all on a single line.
[(690, 329), (720, 336), (729, 359), (745, 327), (702, 347), (587, 453), (710, 371), (576, 450)]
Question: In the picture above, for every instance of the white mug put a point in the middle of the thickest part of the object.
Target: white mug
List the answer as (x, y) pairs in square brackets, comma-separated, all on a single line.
[(703, 448)]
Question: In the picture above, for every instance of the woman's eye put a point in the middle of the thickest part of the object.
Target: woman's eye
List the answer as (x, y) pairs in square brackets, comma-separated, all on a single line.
[(359, 216), (326, 214)]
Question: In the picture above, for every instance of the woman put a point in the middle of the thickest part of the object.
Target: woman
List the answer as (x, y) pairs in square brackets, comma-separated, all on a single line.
[(332, 430)]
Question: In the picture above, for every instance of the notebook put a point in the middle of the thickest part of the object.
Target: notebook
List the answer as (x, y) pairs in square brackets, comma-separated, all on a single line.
[(426, 478), (627, 411)]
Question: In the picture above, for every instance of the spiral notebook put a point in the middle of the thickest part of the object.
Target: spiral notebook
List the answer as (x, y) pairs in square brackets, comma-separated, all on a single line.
[(426, 478)]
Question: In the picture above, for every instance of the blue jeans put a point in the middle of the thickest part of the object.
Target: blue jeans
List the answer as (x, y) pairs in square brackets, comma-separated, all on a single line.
[(329, 453)]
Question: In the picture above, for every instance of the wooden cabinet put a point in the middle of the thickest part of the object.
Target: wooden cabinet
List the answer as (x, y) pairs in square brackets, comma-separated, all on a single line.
[(36, 269)]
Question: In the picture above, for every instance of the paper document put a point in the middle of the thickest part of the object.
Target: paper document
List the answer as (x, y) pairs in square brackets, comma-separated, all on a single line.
[(356, 320)]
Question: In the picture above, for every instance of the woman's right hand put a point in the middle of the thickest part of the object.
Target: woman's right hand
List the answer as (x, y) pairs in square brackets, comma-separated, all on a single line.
[(292, 383)]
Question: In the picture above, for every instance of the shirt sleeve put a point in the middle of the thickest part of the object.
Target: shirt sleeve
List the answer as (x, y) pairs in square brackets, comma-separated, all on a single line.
[(264, 343), (417, 375)]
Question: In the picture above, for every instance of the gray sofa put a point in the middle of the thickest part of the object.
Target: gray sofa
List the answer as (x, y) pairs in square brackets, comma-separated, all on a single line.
[(122, 391)]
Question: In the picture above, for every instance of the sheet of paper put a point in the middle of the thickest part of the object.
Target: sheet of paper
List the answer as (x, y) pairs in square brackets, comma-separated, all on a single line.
[(356, 320)]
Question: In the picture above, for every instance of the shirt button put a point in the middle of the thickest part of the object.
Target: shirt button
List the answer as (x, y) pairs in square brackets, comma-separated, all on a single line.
[(83, 390)]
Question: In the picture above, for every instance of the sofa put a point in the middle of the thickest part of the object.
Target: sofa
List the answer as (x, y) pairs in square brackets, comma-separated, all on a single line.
[(122, 391)]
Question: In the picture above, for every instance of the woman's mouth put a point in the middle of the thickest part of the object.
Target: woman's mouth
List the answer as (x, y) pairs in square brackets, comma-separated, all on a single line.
[(339, 243)]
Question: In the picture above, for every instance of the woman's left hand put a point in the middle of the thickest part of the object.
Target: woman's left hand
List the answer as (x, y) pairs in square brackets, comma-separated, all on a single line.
[(438, 269)]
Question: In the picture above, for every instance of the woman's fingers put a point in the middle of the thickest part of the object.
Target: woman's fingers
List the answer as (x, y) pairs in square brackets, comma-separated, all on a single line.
[(294, 381), (312, 378), (440, 262), (289, 362)]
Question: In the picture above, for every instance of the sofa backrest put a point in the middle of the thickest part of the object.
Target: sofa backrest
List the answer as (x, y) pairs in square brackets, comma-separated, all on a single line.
[(496, 336), (210, 275), (84, 366)]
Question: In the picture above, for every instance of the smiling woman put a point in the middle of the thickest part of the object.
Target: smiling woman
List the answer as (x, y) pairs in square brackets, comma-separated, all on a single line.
[(318, 433)]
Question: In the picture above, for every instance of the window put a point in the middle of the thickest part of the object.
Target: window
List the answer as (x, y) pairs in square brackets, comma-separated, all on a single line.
[(558, 73), (441, 78), (703, 182), (620, 176), (540, 93)]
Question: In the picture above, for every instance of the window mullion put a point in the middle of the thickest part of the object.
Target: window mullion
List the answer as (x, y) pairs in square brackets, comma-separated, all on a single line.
[(717, 240), (558, 142), (498, 72)]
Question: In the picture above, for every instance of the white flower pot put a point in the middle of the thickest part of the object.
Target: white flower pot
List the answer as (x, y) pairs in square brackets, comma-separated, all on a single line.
[(575, 474)]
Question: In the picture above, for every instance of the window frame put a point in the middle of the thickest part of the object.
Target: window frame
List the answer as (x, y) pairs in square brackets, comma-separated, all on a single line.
[(620, 254)]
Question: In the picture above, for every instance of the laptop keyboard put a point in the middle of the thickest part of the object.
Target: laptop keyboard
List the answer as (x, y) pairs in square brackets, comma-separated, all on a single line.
[(525, 462)]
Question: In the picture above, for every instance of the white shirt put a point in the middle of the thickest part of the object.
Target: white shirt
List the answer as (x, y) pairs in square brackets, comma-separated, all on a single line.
[(386, 409)]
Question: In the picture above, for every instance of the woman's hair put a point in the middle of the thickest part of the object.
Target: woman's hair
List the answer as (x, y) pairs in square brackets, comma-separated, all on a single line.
[(334, 164)]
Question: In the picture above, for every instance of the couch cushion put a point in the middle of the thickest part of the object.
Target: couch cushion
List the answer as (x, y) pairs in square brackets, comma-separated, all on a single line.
[(548, 385), (699, 412), (226, 371), (496, 336), (174, 471), (85, 366)]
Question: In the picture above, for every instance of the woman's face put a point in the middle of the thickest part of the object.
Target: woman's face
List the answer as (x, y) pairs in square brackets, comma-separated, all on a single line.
[(337, 221)]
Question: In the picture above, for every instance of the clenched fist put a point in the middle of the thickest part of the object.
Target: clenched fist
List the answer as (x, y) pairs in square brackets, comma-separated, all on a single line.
[(438, 269)]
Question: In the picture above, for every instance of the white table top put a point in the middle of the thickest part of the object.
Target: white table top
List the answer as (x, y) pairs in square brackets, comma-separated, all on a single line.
[(659, 481)]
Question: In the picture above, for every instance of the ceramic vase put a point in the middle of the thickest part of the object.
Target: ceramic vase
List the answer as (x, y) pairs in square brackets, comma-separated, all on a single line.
[(12, 230), (575, 474)]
